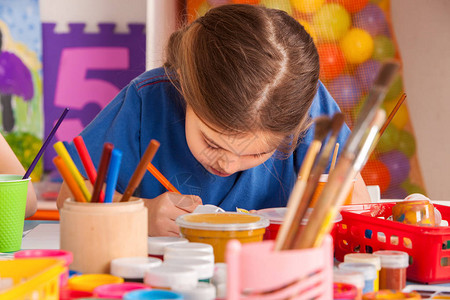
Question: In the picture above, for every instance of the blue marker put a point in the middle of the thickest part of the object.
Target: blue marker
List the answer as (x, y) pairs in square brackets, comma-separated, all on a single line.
[(113, 173)]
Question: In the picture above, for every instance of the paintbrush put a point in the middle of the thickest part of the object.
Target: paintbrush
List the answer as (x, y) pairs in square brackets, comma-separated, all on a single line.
[(322, 127), (333, 160), (354, 155), (322, 162), (392, 113)]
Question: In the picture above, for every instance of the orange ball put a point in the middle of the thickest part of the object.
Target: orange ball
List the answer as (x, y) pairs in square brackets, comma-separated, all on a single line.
[(376, 173), (332, 60)]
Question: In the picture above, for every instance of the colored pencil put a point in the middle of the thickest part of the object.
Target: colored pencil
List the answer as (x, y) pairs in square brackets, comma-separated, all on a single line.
[(102, 169), (113, 173), (87, 162), (67, 176), (140, 170), (160, 177), (44, 146), (62, 151)]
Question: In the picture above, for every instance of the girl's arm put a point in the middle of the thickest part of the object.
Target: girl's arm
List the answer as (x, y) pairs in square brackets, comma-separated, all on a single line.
[(9, 164)]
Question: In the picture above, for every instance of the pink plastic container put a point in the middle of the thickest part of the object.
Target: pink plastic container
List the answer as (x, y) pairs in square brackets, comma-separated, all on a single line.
[(66, 256), (299, 274), (117, 290)]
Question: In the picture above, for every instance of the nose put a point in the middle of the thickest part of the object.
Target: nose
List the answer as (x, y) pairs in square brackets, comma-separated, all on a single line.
[(228, 164)]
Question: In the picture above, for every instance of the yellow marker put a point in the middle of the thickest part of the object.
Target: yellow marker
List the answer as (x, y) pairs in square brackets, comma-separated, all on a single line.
[(242, 210), (62, 151)]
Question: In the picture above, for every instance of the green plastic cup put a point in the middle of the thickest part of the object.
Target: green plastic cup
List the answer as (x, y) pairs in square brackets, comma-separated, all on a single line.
[(13, 200)]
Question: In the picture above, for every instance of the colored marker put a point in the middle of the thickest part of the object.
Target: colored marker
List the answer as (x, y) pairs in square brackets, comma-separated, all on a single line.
[(87, 162), (160, 177), (102, 169), (68, 178), (113, 173), (62, 151)]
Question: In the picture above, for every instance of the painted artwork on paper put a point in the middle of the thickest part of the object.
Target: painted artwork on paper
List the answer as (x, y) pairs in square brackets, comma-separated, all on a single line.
[(21, 114)]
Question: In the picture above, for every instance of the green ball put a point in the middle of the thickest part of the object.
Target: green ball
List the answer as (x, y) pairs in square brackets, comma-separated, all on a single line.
[(412, 188), (389, 139), (406, 143), (383, 48), (395, 89)]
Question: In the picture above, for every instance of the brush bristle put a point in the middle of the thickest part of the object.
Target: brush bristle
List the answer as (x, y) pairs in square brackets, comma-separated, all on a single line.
[(323, 124), (336, 123)]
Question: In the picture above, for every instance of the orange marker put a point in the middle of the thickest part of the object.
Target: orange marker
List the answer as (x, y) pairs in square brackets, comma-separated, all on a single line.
[(67, 176), (151, 168)]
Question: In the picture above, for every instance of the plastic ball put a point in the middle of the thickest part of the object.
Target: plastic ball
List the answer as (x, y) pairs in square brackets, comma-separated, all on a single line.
[(357, 46), (353, 6), (412, 188), (376, 173), (398, 166), (215, 3), (395, 90), (202, 9), (245, 1), (383, 48), (331, 22), (278, 4), (345, 90), (396, 192), (308, 28), (401, 117), (307, 6), (406, 143), (332, 61), (366, 73), (389, 139), (371, 18)]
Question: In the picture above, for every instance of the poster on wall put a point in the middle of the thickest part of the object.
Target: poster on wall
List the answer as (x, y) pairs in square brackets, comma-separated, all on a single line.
[(21, 114)]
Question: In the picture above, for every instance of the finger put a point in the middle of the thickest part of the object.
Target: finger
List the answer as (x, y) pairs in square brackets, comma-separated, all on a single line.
[(185, 202)]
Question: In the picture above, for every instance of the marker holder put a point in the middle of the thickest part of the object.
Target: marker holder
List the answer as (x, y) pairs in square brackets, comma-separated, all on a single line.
[(97, 233), (255, 271)]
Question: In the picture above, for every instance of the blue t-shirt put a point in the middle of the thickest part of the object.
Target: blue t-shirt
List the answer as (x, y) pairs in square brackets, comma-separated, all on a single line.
[(150, 107)]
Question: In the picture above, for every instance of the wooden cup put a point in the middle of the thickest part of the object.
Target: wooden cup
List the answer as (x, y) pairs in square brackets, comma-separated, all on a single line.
[(97, 233)]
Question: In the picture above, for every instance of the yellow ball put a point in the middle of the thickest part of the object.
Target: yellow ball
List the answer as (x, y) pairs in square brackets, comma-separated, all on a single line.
[(308, 29), (357, 46), (307, 6), (331, 22), (278, 4)]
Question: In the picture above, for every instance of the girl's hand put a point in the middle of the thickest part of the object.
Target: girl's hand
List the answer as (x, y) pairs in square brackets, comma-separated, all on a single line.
[(164, 209)]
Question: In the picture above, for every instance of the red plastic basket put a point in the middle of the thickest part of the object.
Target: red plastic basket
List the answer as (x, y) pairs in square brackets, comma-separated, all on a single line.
[(364, 229)]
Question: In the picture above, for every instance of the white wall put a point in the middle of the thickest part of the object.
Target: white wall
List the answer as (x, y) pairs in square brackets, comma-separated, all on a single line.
[(423, 33)]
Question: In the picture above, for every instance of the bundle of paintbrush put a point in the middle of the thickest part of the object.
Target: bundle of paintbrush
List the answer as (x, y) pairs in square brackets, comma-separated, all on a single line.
[(293, 234)]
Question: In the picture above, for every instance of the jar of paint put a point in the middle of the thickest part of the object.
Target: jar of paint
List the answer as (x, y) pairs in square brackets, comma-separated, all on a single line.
[(168, 276), (65, 256), (219, 228), (189, 254), (276, 217), (203, 291), (368, 270), (97, 233), (67, 294), (157, 244), (414, 212), (117, 290), (393, 269), (354, 278), (88, 282), (133, 268), (152, 295), (182, 247), (366, 258), (344, 291), (204, 268), (391, 294)]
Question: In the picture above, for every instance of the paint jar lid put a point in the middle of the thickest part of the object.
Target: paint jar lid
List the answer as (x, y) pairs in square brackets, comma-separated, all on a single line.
[(67, 294), (203, 291), (157, 244), (392, 259), (274, 214), (152, 295), (133, 267), (220, 273), (204, 268), (66, 256), (166, 276), (368, 270), (88, 282), (117, 290), (355, 278), (181, 247), (344, 291), (228, 221), (189, 254), (363, 258)]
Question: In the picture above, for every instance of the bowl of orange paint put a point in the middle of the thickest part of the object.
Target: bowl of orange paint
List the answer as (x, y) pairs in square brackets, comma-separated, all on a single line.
[(217, 229)]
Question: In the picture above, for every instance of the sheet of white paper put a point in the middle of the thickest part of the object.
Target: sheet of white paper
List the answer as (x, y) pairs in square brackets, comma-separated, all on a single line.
[(43, 236)]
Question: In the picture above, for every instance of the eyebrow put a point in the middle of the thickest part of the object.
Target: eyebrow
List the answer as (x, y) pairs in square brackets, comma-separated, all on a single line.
[(219, 147)]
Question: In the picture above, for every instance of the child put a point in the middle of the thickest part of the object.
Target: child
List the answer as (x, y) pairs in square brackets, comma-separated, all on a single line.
[(231, 109), (9, 164)]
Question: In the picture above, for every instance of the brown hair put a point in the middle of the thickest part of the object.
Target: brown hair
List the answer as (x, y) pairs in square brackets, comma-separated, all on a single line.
[(246, 68)]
